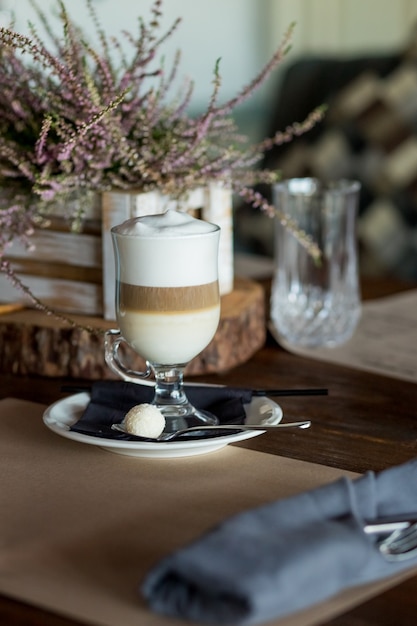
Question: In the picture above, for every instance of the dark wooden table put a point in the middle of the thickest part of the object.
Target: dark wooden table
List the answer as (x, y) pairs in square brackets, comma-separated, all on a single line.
[(366, 422)]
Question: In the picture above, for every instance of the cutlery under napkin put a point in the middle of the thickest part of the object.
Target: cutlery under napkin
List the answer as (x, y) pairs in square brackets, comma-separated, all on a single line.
[(285, 556), (111, 400)]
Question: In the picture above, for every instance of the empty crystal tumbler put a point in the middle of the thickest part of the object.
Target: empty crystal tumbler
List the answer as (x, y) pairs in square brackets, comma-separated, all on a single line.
[(316, 303)]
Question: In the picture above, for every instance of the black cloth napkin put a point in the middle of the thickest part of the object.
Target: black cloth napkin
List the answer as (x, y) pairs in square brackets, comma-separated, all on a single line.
[(285, 556), (111, 400)]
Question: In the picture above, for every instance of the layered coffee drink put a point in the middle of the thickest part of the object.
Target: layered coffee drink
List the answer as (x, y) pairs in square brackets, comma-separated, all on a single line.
[(167, 295)]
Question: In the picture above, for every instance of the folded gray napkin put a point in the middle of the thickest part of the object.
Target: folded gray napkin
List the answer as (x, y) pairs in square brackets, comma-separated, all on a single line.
[(284, 556)]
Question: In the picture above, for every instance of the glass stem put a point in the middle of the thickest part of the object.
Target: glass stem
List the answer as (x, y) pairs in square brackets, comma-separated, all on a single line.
[(172, 401), (169, 388)]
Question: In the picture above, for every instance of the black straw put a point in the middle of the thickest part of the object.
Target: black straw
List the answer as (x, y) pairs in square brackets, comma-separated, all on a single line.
[(255, 392), (290, 392)]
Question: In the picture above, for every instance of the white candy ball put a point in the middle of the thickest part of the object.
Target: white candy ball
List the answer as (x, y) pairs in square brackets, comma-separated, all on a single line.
[(144, 420)]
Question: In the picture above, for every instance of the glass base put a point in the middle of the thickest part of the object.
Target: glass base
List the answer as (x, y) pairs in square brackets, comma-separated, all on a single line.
[(184, 416), (172, 401)]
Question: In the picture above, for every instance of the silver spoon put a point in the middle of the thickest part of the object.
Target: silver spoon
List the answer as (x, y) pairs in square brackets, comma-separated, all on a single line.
[(177, 433), (401, 544)]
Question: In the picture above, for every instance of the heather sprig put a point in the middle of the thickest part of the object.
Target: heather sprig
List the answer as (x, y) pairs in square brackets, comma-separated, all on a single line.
[(76, 117)]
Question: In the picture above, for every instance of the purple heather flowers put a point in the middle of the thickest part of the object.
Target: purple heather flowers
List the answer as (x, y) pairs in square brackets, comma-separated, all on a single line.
[(72, 118)]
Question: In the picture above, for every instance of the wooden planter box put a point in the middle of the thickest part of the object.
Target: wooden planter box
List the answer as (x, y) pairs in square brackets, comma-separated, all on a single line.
[(75, 272)]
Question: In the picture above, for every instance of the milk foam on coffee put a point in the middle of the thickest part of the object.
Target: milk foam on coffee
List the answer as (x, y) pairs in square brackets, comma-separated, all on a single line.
[(174, 250), (167, 294)]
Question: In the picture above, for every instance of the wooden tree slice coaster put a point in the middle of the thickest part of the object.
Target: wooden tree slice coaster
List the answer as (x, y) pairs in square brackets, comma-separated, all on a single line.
[(34, 343)]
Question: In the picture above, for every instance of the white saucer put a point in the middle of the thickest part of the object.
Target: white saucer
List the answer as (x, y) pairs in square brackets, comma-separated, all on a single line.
[(61, 415)]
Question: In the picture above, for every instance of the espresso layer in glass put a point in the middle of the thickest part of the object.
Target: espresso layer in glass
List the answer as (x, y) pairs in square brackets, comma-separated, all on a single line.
[(167, 299)]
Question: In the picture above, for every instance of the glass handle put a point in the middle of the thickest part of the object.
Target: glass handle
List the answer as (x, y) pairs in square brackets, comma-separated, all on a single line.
[(112, 340)]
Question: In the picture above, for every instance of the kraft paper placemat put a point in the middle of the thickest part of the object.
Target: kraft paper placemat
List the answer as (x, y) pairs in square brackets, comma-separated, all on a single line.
[(80, 527)]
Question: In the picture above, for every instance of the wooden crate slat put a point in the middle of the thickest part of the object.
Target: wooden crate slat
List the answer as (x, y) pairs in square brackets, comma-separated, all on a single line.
[(61, 224), (63, 295), (48, 269), (217, 208), (70, 248)]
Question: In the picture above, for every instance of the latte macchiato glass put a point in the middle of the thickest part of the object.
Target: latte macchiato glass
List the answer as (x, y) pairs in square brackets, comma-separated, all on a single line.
[(167, 304)]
